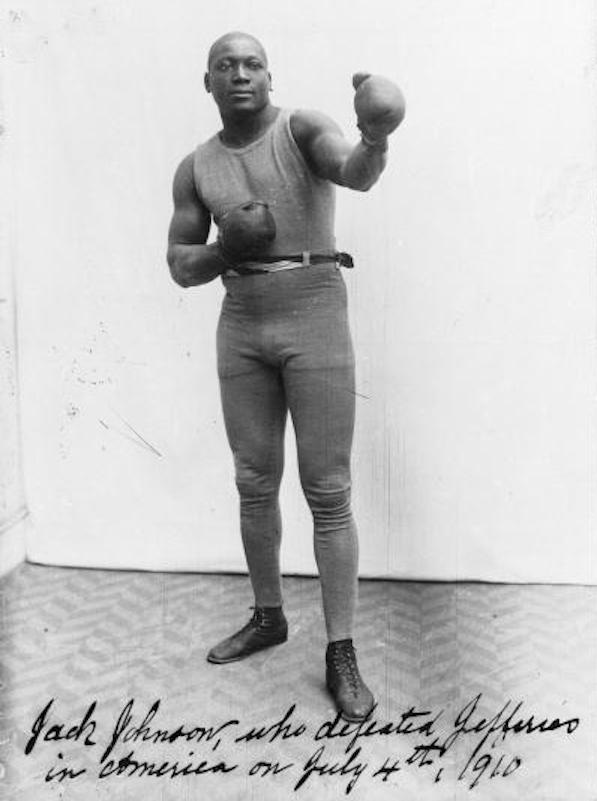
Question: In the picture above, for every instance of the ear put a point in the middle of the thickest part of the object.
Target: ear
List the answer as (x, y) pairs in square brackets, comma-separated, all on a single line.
[(269, 75), (206, 83)]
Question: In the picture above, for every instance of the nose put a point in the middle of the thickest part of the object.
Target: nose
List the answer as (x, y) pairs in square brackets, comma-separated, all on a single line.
[(240, 74)]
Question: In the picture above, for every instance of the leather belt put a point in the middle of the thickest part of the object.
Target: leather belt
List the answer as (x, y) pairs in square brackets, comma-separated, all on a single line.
[(290, 262)]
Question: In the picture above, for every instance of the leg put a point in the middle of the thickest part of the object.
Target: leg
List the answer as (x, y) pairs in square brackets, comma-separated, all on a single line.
[(322, 407), (254, 409), (319, 384), (255, 413)]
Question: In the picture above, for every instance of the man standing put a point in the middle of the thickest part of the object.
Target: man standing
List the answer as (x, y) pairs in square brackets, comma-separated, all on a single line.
[(283, 341)]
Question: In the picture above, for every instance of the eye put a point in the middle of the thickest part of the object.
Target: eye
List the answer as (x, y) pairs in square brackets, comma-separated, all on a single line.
[(253, 64), (222, 66)]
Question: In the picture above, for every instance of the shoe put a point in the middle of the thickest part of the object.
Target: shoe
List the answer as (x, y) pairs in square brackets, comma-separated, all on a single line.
[(267, 627), (352, 696)]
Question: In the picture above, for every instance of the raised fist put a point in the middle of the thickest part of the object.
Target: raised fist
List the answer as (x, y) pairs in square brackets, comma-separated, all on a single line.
[(379, 106), (246, 231)]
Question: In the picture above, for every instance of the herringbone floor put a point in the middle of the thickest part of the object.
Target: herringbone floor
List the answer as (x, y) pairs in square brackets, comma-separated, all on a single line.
[(83, 637)]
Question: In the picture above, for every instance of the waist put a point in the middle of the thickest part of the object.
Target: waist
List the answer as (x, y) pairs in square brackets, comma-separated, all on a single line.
[(273, 264), (294, 291)]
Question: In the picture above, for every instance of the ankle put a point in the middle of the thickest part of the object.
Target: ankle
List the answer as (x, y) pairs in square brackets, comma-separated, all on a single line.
[(340, 645), (268, 615), (272, 611)]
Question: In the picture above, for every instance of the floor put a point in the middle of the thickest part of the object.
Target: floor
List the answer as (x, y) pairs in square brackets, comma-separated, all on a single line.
[(484, 692)]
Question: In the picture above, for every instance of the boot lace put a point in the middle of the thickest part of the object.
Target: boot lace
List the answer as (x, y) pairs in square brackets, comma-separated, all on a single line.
[(260, 619), (344, 662)]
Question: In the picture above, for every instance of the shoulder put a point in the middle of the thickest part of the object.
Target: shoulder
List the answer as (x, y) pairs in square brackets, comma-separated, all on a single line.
[(307, 124), (185, 168), (184, 187), (184, 172), (189, 168)]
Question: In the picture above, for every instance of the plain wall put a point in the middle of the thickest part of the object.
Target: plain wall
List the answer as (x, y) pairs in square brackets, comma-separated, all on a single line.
[(473, 299), (12, 506)]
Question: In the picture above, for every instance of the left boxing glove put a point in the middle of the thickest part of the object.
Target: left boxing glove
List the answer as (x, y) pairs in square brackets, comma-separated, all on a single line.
[(379, 105), (246, 231)]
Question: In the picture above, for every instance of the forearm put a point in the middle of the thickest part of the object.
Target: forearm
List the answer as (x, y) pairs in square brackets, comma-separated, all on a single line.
[(192, 265), (364, 165)]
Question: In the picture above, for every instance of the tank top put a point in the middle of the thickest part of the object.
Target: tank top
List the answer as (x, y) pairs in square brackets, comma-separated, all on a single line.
[(271, 169)]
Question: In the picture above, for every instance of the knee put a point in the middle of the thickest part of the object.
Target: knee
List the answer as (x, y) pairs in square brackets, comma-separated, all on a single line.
[(257, 484), (329, 501)]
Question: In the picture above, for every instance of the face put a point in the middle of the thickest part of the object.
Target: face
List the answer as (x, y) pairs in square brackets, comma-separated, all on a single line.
[(237, 75)]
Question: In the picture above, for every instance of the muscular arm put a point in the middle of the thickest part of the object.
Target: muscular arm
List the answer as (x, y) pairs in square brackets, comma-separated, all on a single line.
[(191, 261), (330, 156)]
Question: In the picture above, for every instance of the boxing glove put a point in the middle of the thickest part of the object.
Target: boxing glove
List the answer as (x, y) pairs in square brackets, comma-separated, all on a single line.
[(246, 231), (379, 106)]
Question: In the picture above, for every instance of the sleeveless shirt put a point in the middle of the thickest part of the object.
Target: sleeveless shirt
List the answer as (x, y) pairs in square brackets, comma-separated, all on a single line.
[(271, 169)]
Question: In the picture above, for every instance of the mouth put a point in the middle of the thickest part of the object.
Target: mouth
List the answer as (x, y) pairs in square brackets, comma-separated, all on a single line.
[(241, 94)]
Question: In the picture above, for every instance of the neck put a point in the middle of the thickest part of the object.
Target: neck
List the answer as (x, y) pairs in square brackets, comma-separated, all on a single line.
[(242, 129)]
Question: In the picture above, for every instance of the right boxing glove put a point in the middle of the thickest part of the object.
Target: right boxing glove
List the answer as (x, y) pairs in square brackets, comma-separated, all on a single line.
[(246, 231)]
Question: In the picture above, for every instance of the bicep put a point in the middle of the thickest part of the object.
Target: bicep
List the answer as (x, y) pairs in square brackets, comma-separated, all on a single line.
[(191, 220), (322, 144)]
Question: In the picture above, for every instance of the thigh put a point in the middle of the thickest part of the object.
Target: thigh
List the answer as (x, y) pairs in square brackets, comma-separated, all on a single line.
[(322, 405), (254, 408), (252, 395), (320, 388)]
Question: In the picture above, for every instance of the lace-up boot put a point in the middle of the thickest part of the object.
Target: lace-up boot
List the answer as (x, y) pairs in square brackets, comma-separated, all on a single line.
[(267, 627), (352, 696)]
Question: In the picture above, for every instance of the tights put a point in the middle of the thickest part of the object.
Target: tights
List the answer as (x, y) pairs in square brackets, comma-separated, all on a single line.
[(284, 345)]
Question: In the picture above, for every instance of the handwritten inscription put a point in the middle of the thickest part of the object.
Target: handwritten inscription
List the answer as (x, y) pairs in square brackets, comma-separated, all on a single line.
[(483, 747)]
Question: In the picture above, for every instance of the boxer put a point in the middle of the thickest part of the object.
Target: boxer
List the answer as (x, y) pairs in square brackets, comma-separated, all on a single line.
[(267, 180)]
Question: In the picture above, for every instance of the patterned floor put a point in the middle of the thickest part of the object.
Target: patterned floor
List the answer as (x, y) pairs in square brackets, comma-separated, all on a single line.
[(484, 692)]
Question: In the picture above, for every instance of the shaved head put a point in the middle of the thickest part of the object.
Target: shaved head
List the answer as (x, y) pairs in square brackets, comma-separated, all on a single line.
[(223, 41), (237, 76)]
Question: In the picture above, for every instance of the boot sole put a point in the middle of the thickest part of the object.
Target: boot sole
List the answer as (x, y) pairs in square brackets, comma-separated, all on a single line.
[(215, 661)]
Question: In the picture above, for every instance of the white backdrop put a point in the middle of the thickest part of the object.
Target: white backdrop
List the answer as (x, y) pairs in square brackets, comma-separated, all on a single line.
[(473, 300), (12, 506)]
